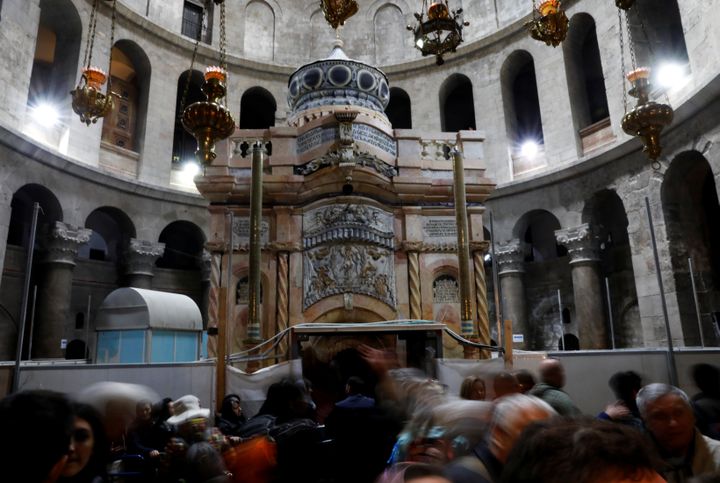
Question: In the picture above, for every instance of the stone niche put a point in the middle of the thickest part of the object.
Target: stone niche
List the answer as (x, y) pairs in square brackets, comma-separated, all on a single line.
[(348, 248)]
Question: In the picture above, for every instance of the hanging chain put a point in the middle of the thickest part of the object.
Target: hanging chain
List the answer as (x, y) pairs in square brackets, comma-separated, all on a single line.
[(223, 39), (90, 41), (186, 90), (534, 10), (113, 18), (621, 35)]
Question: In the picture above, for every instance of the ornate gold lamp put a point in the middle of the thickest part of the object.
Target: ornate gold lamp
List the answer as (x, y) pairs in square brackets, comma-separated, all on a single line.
[(338, 11), (210, 121), (438, 29), (648, 118), (549, 23), (88, 100)]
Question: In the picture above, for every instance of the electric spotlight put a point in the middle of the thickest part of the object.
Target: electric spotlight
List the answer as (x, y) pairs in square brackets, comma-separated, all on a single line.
[(529, 149), (45, 114)]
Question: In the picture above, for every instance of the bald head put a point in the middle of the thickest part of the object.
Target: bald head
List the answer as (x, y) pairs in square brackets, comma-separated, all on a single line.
[(552, 372)]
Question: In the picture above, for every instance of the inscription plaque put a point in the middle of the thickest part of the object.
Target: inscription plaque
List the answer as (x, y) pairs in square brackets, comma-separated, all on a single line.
[(446, 290), (241, 231), (440, 228)]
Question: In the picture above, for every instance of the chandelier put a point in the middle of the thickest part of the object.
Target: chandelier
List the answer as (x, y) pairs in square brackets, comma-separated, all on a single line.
[(549, 23), (210, 121), (648, 118), (88, 100), (338, 11), (441, 32)]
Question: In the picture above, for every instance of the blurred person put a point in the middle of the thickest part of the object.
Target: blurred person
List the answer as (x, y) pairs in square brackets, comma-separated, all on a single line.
[(205, 465), (668, 417), (582, 450), (525, 379), (88, 458), (505, 383), (231, 418), (143, 436), (549, 389), (36, 444), (473, 388), (625, 385), (511, 415), (706, 404), (419, 473)]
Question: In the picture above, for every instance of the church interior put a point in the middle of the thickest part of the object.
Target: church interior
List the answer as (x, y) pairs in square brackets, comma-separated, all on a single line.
[(273, 164)]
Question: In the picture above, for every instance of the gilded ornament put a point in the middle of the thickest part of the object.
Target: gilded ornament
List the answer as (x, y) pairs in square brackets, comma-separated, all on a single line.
[(338, 11), (550, 23)]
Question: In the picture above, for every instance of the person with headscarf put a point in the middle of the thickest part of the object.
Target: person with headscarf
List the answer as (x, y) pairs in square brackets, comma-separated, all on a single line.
[(231, 417)]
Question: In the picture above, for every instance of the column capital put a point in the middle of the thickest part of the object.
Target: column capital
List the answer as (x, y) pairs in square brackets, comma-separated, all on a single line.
[(582, 243), (205, 265), (482, 246), (510, 257), (141, 255), (63, 241)]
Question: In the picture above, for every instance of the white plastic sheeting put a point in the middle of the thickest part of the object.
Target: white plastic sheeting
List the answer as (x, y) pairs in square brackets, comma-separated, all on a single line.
[(136, 308), (252, 388)]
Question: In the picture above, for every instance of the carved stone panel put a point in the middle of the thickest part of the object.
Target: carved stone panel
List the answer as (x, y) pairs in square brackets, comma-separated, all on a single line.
[(348, 249), (241, 231)]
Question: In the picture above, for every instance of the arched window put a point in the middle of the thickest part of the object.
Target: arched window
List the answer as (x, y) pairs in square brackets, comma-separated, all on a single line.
[(389, 34), (257, 109), (457, 108), (446, 290), (57, 52), (658, 34), (585, 73), (124, 127), (112, 230), (22, 212), (184, 242), (184, 143), (520, 100), (242, 292), (570, 342), (259, 31), (398, 109), (691, 210)]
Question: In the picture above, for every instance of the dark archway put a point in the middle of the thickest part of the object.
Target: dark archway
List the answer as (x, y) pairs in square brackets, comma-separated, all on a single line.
[(691, 209), (112, 230), (605, 212), (570, 343), (585, 73), (257, 109), (398, 109), (184, 242), (457, 107), (537, 230), (520, 99), (189, 91), (130, 70), (57, 53), (22, 212), (76, 349)]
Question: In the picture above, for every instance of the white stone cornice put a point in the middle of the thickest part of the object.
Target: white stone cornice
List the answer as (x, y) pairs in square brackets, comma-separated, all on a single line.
[(510, 257)]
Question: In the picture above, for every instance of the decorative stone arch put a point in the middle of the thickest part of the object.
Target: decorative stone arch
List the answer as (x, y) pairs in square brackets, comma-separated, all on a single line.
[(21, 213), (259, 39), (335, 307), (389, 36), (131, 71), (399, 109), (584, 71), (376, 5), (538, 238), (112, 230), (690, 207), (184, 144), (523, 120), (257, 109), (457, 105)]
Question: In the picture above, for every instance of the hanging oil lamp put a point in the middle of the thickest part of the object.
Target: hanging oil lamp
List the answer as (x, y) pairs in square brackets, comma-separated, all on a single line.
[(210, 121), (549, 23), (88, 100), (624, 4), (338, 11), (441, 32), (648, 118)]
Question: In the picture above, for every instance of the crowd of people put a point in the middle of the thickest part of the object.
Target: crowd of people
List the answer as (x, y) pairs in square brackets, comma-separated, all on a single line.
[(507, 428)]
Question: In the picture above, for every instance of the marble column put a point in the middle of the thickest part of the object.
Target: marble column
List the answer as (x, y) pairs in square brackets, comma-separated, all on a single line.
[(213, 313), (583, 244), (414, 296), (140, 258), (479, 249), (511, 267), (55, 290)]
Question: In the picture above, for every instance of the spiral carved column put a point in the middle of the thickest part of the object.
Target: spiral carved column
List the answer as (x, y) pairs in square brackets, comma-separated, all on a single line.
[(214, 300), (414, 282), (282, 298), (483, 326)]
